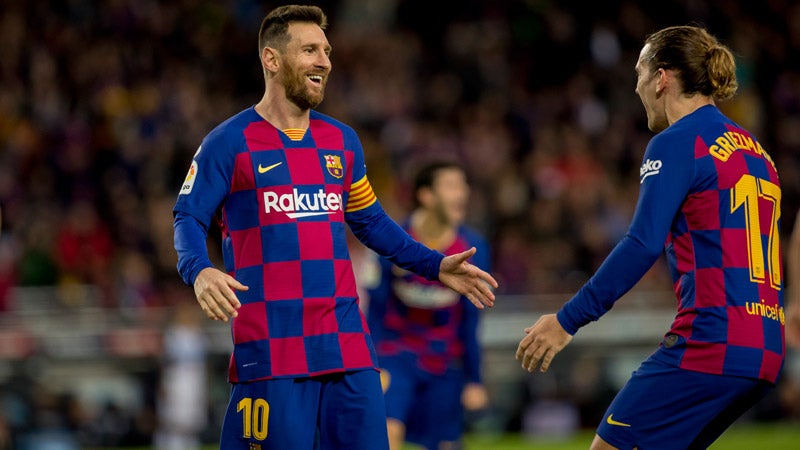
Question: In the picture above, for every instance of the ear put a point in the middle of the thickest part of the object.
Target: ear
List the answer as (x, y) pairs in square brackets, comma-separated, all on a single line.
[(270, 59), (425, 196), (663, 81)]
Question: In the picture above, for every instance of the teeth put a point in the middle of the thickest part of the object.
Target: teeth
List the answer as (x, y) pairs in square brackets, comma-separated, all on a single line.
[(315, 77)]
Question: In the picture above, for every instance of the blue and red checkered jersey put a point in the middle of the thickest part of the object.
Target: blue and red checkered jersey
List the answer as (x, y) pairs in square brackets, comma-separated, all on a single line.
[(282, 206), (710, 199), (410, 314)]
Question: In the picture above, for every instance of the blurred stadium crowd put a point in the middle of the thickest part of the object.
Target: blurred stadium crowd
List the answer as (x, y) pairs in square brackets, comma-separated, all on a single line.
[(103, 104)]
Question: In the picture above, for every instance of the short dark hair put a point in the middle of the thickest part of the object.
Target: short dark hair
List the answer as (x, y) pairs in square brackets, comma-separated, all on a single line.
[(426, 175), (275, 26), (703, 65)]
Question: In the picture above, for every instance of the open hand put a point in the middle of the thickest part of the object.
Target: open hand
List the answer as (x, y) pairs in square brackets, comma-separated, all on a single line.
[(468, 280)]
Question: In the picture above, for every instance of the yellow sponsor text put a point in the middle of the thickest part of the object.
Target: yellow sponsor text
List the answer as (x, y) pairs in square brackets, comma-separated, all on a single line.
[(726, 145), (764, 310)]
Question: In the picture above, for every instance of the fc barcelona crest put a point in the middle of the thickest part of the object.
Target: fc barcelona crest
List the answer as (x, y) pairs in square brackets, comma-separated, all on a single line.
[(334, 165)]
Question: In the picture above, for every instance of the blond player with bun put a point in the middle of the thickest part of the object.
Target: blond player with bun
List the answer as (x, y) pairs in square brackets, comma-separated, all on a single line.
[(710, 200)]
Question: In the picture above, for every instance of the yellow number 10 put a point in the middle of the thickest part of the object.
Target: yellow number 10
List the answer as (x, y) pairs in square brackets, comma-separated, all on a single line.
[(255, 417), (746, 193)]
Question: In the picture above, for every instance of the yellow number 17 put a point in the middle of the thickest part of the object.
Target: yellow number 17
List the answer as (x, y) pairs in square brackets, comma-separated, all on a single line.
[(746, 193)]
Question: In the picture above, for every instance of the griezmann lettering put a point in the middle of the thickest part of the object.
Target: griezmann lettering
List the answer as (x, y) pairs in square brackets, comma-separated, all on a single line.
[(731, 141)]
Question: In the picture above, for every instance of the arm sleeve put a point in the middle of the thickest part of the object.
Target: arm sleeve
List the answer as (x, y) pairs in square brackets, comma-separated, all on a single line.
[(190, 243), (375, 229), (468, 329), (202, 193), (660, 198)]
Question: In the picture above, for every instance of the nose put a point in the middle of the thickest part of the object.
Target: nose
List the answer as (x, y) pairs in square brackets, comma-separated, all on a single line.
[(324, 60)]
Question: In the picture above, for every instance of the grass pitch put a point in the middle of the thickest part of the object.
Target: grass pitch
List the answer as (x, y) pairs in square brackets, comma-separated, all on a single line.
[(772, 436), (739, 437)]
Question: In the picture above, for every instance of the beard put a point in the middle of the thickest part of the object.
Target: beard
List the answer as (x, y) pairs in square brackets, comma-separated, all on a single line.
[(449, 216), (298, 93)]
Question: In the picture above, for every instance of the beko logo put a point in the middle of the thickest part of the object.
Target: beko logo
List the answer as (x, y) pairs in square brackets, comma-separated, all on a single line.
[(649, 167)]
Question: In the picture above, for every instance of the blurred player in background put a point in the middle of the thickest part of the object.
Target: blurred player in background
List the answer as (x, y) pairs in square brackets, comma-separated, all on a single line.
[(793, 287), (710, 197), (282, 180), (790, 382), (425, 333), (182, 402)]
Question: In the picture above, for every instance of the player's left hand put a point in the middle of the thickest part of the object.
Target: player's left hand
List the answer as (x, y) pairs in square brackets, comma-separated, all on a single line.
[(793, 318), (544, 340), (468, 280), (215, 292), (474, 397)]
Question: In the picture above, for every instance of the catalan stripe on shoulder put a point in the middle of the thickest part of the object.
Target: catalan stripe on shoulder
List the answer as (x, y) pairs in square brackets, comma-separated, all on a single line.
[(361, 195)]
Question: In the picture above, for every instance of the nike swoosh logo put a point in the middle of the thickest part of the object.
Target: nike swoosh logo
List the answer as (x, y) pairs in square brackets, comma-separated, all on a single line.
[(611, 421), (268, 168)]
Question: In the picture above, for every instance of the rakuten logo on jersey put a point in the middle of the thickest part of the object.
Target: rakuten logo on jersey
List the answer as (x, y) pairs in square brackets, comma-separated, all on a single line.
[(302, 204), (649, 168)]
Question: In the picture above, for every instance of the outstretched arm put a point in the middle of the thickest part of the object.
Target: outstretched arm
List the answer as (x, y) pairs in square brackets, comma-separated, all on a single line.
[(375, 229), (630, 259), (468, 280)]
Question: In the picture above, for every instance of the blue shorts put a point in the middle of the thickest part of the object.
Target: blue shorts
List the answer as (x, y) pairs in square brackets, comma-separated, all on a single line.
[(665, 407), (342, 410), (428, 404)]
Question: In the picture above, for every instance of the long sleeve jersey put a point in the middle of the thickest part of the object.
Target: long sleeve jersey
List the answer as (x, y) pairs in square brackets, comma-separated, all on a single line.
[(282, 206), (710, 199), (409, 314)]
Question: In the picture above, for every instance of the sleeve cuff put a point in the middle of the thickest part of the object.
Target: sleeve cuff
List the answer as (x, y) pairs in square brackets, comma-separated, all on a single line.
[(565, 320)]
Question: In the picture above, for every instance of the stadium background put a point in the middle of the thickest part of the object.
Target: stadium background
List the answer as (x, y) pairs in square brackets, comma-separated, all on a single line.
[(103, 103)]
